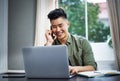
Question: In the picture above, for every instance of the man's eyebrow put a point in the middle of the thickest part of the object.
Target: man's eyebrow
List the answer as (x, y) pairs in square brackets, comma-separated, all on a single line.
[(58, 24)]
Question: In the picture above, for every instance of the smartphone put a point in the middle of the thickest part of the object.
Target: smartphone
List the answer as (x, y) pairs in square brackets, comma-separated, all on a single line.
[(52, 34)]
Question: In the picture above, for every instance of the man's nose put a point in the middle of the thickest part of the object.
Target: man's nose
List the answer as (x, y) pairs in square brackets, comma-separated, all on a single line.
[(58, 28)]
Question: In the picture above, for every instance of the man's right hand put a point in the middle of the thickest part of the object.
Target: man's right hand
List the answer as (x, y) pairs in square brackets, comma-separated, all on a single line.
[(49, 39)]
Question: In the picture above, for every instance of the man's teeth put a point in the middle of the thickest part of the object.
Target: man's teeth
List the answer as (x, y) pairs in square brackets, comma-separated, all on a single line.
[(59, 33)]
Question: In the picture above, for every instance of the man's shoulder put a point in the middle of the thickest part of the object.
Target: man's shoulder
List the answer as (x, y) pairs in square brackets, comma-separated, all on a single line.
[(78, 37), (79, 40)]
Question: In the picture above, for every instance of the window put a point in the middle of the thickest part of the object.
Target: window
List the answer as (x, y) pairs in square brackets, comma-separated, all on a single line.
[(88, 18)]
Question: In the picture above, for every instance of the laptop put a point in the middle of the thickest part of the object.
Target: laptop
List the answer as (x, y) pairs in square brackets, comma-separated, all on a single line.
[(46, 62)]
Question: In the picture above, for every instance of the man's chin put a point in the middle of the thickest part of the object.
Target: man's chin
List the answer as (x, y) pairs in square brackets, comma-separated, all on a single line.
[(59, 37)]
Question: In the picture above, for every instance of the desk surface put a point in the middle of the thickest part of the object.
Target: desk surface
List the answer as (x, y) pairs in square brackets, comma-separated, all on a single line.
[(76, 78)]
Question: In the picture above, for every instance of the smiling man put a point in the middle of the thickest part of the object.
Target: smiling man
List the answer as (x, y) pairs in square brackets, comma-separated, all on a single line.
[(80, 53)]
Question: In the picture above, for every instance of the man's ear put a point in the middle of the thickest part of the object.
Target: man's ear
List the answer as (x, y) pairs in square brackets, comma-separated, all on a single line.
[(68, 23)]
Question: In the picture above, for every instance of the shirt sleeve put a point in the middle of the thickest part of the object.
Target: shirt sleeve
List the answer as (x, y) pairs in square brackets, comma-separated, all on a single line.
[(88, 57)]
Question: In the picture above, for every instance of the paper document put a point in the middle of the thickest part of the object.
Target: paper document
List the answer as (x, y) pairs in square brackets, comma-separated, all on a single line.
[(99, 73)]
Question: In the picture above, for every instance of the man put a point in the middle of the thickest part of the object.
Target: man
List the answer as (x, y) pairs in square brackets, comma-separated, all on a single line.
[(79, 50)]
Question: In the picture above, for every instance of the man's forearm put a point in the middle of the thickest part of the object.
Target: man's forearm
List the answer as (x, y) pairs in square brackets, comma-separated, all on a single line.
[(84, 68), (76, 69), (48, 44)]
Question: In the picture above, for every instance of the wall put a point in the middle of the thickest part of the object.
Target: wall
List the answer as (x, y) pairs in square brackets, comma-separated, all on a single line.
[(104, 56), (103, 52), (3, 34), (21, 23)]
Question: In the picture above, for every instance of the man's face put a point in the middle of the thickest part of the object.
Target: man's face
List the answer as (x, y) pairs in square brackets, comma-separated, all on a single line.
[(60, 27)]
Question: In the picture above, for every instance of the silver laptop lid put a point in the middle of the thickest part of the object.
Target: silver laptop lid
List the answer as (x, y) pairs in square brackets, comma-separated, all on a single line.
[(46, 61)]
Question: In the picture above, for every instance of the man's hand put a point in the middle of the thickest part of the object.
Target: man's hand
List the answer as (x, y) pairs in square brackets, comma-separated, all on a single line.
[(73, 70), (49, 37), (77, 69)]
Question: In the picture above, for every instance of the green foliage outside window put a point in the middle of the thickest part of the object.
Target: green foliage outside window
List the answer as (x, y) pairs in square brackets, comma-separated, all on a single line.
[(75, 9)]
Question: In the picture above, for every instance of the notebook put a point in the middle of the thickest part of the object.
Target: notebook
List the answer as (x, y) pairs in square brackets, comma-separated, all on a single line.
[(46, 62), (99, 73)]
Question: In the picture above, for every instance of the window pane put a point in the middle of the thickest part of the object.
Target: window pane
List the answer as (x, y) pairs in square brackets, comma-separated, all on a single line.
[(98, 25), (75, 10), (97, 18)]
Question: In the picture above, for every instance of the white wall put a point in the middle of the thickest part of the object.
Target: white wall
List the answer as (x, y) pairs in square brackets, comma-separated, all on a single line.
[(104, 56), (103, 52)]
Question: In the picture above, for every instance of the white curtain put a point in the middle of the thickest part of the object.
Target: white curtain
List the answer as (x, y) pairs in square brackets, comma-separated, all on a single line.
[(114, 14), (42, 22)]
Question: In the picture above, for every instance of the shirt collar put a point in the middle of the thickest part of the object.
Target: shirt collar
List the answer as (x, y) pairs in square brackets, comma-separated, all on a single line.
[(69, 40)]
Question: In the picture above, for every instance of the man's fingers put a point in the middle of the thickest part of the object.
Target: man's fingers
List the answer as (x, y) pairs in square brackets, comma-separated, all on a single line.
[(72, 70), (48, 32)]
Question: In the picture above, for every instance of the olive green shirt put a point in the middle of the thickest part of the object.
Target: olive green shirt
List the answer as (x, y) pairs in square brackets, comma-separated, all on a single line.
[(79, 51)]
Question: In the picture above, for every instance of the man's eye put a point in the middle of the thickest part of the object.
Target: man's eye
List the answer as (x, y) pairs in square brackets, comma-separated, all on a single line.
[(60, 25), (53, 26)]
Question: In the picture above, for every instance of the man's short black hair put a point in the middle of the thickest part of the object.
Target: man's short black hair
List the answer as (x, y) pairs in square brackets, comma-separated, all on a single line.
[(56, 13)]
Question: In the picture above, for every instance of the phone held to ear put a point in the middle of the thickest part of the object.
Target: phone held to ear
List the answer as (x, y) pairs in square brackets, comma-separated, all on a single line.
[(52, 34)]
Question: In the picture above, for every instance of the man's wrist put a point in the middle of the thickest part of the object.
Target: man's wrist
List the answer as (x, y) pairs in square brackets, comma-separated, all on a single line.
[(48, 44)]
